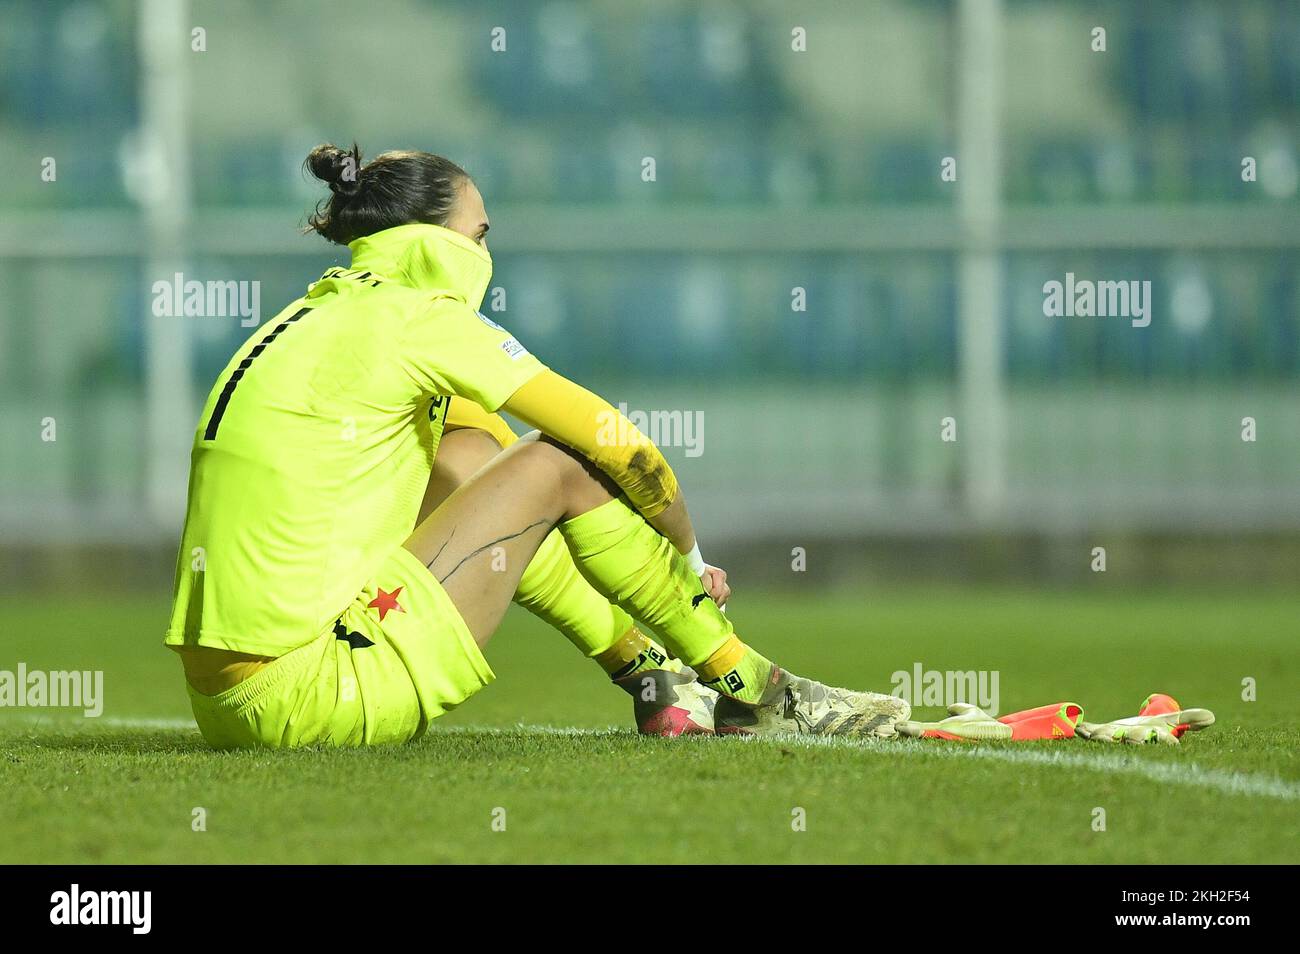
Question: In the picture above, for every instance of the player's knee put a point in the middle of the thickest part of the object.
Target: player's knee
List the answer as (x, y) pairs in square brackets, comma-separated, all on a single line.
[(576, 474), (550, 450), (548, 459)]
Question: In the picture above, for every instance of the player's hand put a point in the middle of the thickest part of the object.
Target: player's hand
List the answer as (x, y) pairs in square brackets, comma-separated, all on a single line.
[(715, 584)]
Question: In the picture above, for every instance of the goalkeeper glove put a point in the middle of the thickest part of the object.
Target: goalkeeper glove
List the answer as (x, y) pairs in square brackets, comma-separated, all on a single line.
[(1160, 720), (965, 722), (1054, 721)]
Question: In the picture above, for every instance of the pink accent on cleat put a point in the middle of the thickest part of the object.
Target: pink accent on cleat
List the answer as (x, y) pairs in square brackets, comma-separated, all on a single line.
[(668, 704), (671, 722)]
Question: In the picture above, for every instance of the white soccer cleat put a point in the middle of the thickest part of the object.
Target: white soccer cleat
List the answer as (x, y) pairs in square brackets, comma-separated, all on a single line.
[(792, 705), (669, 704)]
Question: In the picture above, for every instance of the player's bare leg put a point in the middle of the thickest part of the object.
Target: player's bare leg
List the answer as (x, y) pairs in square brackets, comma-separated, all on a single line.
[(478, 542)]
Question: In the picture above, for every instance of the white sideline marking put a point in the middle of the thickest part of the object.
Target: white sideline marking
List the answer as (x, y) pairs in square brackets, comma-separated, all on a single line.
[(1167, 773), (64, 721), (149, 723), (1171, 773)]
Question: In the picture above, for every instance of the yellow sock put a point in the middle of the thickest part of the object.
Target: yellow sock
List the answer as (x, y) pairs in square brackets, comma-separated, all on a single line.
[(552, 589), (736, 670), (635, 652), (633, 565)]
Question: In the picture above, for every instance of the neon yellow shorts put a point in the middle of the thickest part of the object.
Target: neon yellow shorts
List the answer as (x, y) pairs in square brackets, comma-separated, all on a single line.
[(398, 657)]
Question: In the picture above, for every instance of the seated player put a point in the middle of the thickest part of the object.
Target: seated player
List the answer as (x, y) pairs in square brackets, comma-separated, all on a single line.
[(318, 602)]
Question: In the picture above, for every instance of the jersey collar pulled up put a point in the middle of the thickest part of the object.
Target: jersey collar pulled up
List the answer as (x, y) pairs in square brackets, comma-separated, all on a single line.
[(427, 257)]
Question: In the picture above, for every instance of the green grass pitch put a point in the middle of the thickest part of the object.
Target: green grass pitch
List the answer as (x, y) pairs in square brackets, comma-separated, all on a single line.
[(550, 744)]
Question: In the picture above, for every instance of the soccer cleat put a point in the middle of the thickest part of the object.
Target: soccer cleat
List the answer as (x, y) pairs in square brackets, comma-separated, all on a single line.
[(792, 705), (669, 704)]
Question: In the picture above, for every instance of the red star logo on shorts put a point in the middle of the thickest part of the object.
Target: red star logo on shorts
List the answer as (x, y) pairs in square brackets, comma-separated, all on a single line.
[(385, 602)]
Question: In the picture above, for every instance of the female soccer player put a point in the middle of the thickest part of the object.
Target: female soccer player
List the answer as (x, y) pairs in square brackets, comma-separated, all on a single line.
[(344, 561)]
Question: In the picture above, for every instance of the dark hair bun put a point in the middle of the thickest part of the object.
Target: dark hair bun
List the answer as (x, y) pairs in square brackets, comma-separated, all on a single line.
[(394, 188), (340, 168)]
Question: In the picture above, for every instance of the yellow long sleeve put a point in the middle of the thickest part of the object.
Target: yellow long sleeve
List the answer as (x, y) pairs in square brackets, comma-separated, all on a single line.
[(589, 424)]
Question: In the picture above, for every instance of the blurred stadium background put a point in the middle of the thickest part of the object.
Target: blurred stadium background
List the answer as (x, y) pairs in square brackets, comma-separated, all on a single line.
[(775, 170)]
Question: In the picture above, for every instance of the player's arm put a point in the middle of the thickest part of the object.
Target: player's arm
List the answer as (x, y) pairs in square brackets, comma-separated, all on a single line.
[(581, 413), (577, 418)]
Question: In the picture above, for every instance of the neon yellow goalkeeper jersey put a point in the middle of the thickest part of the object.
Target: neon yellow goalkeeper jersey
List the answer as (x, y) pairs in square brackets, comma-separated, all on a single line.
[(314, 447)]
